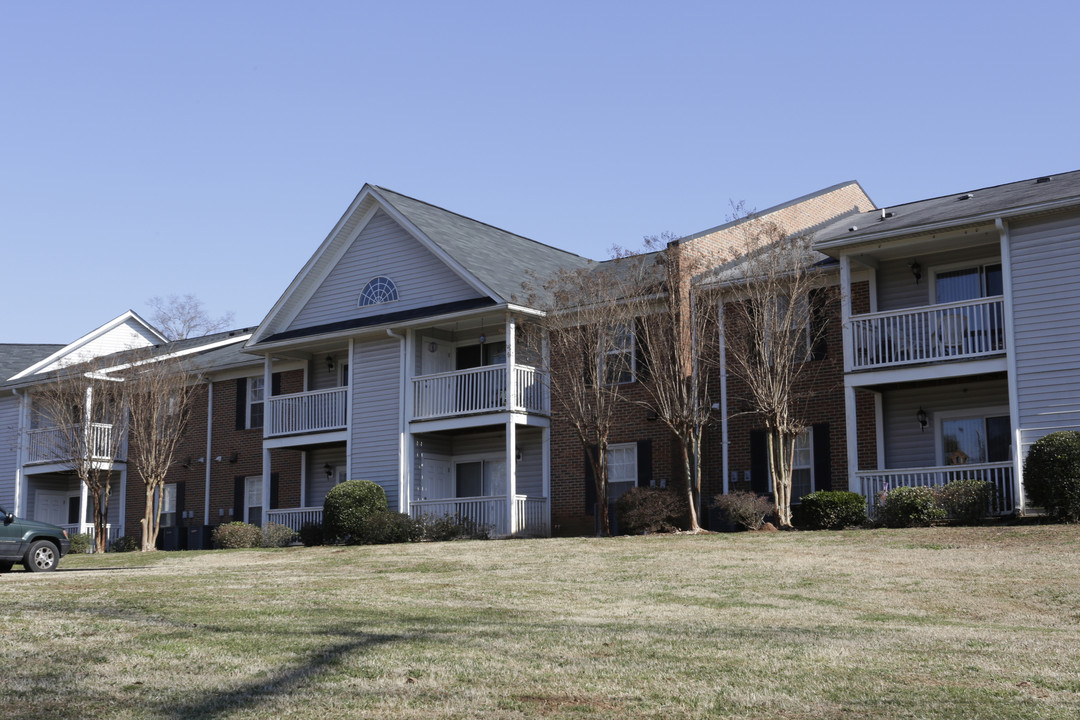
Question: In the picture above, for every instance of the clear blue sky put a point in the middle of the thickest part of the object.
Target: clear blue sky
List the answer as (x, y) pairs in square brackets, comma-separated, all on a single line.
[(208, 147)]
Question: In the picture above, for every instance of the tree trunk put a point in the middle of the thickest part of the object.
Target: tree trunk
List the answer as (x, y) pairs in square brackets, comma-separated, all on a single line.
[(149, 537), (692, 514)]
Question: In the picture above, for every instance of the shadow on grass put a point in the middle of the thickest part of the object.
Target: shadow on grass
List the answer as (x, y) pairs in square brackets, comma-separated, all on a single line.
[(254, 693), (100, 569)]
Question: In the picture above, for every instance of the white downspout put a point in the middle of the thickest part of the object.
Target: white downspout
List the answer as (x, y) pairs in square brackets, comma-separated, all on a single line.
[(209, 439), (403, 485)]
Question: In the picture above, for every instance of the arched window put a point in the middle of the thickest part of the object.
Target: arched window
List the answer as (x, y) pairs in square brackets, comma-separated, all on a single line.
[(378, 290)]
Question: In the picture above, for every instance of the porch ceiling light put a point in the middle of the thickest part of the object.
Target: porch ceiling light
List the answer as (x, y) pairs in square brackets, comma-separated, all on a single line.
[(921, 417), (916, 270)]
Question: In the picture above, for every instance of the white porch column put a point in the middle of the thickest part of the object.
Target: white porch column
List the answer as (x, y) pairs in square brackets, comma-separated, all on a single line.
[(511, 429), (851, 431), (845, 311), (22, 453), (1010, 363), (84, 505)]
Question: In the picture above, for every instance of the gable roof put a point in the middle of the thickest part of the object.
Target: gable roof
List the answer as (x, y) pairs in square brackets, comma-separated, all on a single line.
[(1045, 193), (494, 262), (73, 348)]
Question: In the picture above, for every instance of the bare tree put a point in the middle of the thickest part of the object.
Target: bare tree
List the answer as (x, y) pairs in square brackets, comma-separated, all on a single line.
[(81, 425), (587, 331), (159, 392), (678, 324), (183, 316), (774, 318)]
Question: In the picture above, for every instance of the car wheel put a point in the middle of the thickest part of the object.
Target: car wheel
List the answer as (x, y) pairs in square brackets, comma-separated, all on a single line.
[(5, 565), (41, 557)]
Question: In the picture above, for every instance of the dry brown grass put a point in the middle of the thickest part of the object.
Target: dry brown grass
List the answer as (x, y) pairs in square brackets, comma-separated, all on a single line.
[(941, 622)]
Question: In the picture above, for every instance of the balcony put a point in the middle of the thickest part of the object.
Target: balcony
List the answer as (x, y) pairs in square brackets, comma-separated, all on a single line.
[(489, 513), (479, 390), (1000, 474), (64, 444), (964, 330), (295, 518), (307, 412)]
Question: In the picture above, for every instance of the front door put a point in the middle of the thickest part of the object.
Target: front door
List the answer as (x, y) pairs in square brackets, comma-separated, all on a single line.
[(51, 507)]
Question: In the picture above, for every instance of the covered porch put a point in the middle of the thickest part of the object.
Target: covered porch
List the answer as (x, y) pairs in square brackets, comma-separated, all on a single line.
[(873, 483)]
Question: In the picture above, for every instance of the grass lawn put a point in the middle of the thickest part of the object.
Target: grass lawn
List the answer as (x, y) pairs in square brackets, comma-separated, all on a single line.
[(928, 623)]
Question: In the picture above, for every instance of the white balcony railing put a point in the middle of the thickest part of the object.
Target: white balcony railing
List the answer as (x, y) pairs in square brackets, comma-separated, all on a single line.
[(295, 518), (61, 444), (874, 482), (948, 331), (306, 412), (478, 390), (488, 513)]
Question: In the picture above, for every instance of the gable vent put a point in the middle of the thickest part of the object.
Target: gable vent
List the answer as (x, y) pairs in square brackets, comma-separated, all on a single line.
[(1045, 178)]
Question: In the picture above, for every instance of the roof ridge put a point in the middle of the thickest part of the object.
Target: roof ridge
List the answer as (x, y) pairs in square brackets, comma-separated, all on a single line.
[(478, 222), (976, 190)]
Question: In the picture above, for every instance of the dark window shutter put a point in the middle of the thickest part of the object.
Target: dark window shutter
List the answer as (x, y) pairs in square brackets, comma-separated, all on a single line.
[(179, 503), (759, 462), (275, 384), (644, 463), (238, 498), (818, 320), (273, 491), (590, 484), (241, 405), (822, 459), (642, 352)]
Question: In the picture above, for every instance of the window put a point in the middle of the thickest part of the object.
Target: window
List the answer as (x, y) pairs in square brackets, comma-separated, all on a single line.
[(802, 467), (253, 492), (378, 290), (480, 478), (168, 505), (343, 374), (256, 391), (976, 439), (970, 283), (619, 363), (622, 466)]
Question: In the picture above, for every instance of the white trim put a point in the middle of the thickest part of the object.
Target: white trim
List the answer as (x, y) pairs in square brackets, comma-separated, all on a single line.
[(978, 264), (209, 448), (931, 371), (851, 432), (404, 493), (303, 440), (845, 311)]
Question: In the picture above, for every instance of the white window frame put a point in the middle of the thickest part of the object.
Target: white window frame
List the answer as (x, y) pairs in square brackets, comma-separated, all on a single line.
[(249, 482), (168, 505), (971, 413), (630, 449), (255, 383), (484, 460), (979, 264), (623, 331), (368, 296), (809, 433)]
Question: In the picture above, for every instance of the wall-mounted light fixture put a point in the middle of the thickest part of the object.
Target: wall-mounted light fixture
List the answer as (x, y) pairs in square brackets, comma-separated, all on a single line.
[(330, 363), (916, 270), (329, 470), (483, 337), (432, 346), (921, 417)]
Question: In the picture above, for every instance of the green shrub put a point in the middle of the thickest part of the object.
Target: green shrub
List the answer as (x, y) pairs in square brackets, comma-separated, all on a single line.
[(346, 508), (383, 528), (124, 543), (646, 510), (237, 535), (277, 535), (744, 509), (311, 534), (81, 543), (910, 507), (831, 510), (967, 501), (1052, 475)]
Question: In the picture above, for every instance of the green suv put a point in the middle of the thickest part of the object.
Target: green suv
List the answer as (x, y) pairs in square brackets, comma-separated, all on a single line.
[(37, 545)]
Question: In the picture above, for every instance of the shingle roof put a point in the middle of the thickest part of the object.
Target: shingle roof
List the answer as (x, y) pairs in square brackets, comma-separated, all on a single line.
[(955, 209), (499, 259), (16, 357)]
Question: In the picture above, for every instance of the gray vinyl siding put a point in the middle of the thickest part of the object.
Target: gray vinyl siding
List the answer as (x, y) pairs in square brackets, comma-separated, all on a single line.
[(376, 415), (9, 447), (896, 285), (1046, 297), (317, 483), (71, 486), (530, 479), (906, 445), (382, 248), (321, 378)]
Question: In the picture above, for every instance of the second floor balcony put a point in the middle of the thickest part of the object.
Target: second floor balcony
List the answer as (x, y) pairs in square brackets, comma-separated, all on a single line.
[(480, 390), (307, 412), (63, 444), (963, 330)]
